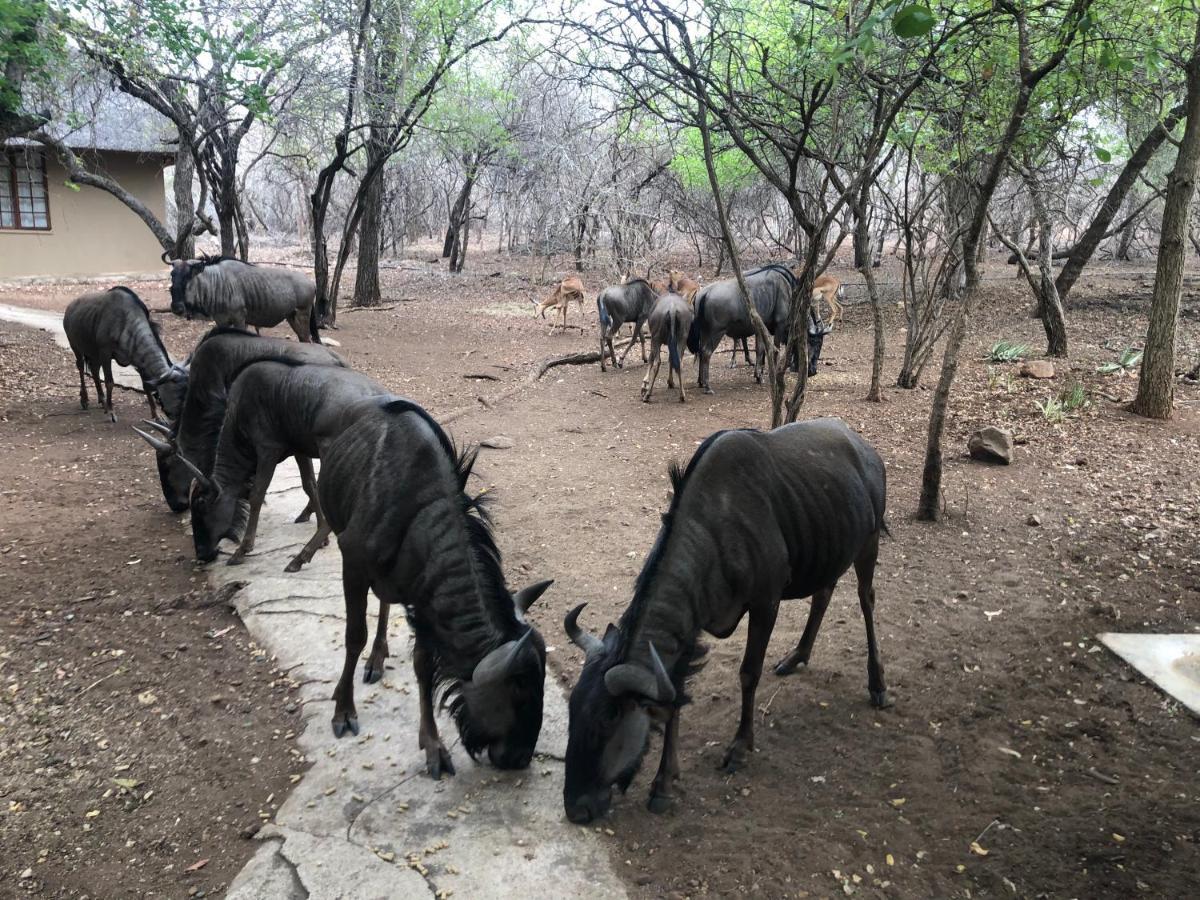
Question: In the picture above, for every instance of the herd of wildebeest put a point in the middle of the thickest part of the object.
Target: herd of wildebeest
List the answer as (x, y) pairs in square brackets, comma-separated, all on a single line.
[(756, 517)]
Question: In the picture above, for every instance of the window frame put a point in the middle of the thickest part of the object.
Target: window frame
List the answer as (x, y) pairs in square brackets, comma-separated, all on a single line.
[(12, 154)]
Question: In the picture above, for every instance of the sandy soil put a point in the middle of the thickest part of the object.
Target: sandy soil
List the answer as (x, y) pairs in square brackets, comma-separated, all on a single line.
[(1012, 729)]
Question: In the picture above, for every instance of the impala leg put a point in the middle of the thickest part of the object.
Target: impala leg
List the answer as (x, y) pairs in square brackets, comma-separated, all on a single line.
[(373, 671), (108, 389), (83, 395), (437, 757), (762, 623), (662, 791), (864, 568), (258, 493), (799, 656), (354, 587)]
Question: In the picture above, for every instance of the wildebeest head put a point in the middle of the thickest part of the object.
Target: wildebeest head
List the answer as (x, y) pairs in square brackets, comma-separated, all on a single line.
[(171, 389), (182, 271), (216, 514), (174, 474), (500, 708), (611, 710)]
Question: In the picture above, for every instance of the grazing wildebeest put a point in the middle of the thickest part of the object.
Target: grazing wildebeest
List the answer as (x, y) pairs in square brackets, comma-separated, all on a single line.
[(216, 361), (231, 292), (276, 409), (758, 517), (570, 288), (393, 488), (621, 303), (668, 323), (116, 325)]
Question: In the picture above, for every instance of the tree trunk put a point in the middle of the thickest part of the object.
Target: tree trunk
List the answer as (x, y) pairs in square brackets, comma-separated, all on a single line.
[(862, 253), (185, 209), (1125, 239), (1087, 244), (366, 280), (1156, 387)]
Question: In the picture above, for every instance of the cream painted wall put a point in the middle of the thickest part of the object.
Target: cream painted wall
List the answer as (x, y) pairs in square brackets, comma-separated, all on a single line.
[(91, 232)]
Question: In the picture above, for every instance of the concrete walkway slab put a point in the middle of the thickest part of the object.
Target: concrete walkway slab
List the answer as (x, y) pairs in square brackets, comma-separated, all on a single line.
[(1171, 661)]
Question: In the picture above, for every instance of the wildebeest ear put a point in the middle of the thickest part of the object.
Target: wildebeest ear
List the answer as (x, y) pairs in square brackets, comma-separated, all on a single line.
[(527, 596)]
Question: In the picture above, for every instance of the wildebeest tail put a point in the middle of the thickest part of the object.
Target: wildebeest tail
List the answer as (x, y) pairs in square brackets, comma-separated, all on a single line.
[(693, 338), (673, 340), (604, 320)]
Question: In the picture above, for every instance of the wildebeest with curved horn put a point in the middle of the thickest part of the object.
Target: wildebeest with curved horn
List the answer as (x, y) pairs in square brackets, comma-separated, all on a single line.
[(669, 323), (621, 303), (232, 292), (393, 488), (210, 372), (276, 409), (116, 325), (758, 517)]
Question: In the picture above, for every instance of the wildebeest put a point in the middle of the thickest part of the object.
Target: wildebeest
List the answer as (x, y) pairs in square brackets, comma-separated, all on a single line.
[(116, 325), (668, 323), (221, 354), (621, 303), (276, 409), (570, 288), (756, 518), (393, 488), (232, 292)]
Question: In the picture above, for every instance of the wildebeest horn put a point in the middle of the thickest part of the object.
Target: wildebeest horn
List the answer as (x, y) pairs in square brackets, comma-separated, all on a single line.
[(205, 481), (584, 640), (160, 445), (502, 661), (158, 426), (527, 596), (632, 678), (164, 257)]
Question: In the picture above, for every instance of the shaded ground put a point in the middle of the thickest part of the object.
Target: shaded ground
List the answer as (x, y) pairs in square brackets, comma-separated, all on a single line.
[(1012, 728)]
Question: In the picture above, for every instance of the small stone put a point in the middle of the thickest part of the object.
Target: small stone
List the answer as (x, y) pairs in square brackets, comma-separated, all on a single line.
[(1037, 368), (497, 442), (1034, 520), (28, 873)]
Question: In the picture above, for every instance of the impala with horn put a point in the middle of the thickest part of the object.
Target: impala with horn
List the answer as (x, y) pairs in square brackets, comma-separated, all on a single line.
[(758, 517), (206, 380), (116, 325), (393, 488)]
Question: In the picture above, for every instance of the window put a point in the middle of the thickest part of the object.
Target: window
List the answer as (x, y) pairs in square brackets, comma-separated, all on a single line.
[(23, 202)]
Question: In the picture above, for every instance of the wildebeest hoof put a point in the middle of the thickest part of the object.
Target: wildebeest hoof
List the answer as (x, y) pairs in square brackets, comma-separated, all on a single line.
[(660, 803), (790, 664), (709, 390), (437, 761), (881, 700), (373, 671), (295, 565), (112, 417), (236, 560), (343, 723), (735, 758), (304, 516)]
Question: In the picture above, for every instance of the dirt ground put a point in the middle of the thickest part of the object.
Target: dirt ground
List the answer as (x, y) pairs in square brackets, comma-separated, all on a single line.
[(1021, 758)]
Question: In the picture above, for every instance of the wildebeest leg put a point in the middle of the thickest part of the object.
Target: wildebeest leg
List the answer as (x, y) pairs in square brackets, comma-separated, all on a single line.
[(299, 322), (864, 568), (146, 389), (762, 623), (108, 388), (321, 538), (637, 336), (354, 588), (94, 367), (799, 656), (257, 330), (258, 493), (437, 757), (745, 350), (373, 671), (83, 397), (652, 370), (308, 481), (662, 793), (706, 352), (611, 352), (603, 336)]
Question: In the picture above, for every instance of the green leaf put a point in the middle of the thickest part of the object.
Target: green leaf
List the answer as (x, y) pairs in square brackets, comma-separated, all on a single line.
[(1103, 155), (913, 21)]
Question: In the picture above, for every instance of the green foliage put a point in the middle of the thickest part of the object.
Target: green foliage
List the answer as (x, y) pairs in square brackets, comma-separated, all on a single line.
[(734, 170), (913, 21), (1007, 351), (1129, 360), (27, 48), (1069, 401)]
